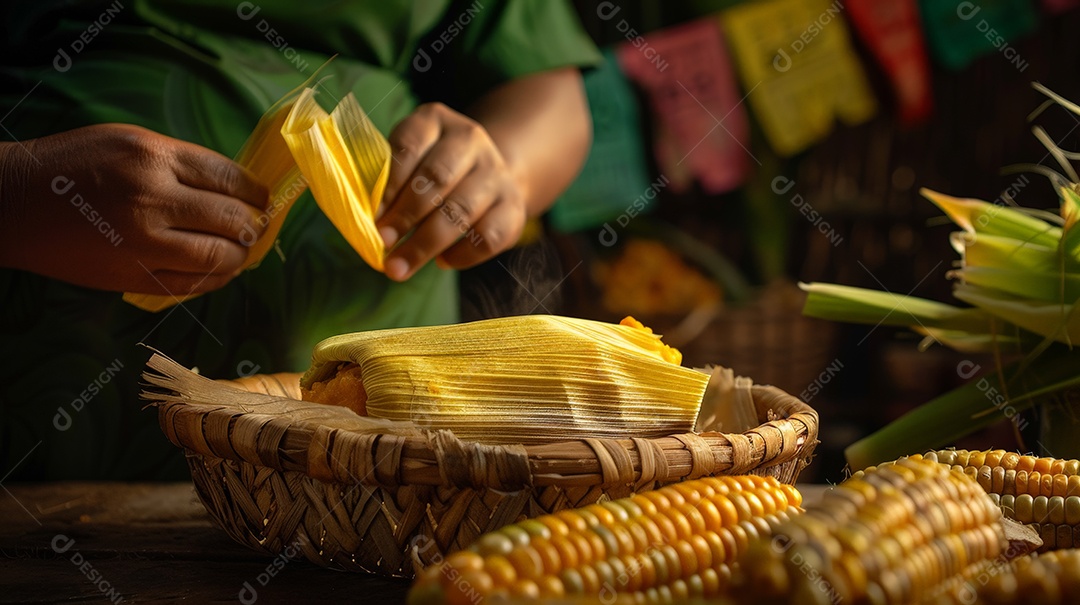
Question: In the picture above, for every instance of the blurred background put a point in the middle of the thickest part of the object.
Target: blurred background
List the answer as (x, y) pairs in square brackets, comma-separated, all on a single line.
[(742, 147)]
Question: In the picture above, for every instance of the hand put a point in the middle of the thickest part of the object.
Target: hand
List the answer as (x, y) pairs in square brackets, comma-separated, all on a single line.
[(450, 183), (118, 207)]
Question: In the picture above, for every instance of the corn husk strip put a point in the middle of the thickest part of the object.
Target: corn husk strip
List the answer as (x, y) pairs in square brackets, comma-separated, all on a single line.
[(346, 162), (267, 156), (521, 379)]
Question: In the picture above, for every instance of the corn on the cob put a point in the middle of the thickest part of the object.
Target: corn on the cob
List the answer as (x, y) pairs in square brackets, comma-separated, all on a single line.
[(889, 535), (673, 543), (1051, 578), (1041, 492), (514, 379)]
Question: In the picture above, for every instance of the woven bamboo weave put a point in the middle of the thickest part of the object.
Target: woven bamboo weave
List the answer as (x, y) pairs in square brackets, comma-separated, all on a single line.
[(286, 476)]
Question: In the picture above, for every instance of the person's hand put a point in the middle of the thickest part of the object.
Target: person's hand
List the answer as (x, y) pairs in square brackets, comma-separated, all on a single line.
[(451, 184), (118, 207)]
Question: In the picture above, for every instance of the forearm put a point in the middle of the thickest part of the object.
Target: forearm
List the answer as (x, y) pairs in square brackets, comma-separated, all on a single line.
[(541, 125), (14, 175)]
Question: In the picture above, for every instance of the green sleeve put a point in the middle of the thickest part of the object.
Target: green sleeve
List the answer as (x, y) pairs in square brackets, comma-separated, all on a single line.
[(503, 40)]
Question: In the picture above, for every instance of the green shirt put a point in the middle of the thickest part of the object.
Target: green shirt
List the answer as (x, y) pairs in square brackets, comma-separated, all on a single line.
[(204, 71)]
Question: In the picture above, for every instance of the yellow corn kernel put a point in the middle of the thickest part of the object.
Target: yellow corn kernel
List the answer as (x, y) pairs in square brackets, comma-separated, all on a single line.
[(690, 558)]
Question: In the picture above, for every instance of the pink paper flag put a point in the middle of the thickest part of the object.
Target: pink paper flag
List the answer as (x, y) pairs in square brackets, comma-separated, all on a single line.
[(701, 123)]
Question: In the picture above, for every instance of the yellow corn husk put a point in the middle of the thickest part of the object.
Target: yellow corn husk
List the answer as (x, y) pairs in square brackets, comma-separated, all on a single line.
[(1048, 579), (346, 161), (669, 545), (521, 379), (893, 534), (1041, 492)]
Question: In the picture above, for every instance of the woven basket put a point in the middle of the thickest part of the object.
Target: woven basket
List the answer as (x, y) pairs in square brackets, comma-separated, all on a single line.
[(776, 346), (283, 482)]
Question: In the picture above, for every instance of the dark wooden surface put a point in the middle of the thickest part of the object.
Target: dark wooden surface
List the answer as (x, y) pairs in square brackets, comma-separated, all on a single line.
[(151, 543), (154, 543)]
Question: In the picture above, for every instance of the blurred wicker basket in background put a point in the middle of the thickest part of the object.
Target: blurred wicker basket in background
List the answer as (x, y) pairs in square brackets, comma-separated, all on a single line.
[(769, 340), (280, 478)]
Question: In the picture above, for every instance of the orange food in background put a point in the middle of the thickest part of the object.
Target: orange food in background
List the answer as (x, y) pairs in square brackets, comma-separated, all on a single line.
[(648, 278)]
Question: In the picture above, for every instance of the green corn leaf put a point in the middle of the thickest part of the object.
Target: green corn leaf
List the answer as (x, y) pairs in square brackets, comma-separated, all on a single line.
[(977, 216), (1058, 321), (1070, 241), (978, 404), (967, 342), (1033, 286), (996, 251), (859, 305)]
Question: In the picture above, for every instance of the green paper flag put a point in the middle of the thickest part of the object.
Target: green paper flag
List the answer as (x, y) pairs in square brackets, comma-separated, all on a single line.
[(960, 32), (614, 180)]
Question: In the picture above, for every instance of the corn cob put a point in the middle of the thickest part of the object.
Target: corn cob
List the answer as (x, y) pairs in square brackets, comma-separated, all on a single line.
[(1041, 492), (525, 379), (888, 535), (1051, 578), (675, 543)]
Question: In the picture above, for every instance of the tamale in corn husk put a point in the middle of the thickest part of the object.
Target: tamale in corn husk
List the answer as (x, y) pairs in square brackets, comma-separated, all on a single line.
[(525, 379)]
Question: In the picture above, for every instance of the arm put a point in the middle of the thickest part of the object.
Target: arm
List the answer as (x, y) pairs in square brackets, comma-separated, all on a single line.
[(467, 185)]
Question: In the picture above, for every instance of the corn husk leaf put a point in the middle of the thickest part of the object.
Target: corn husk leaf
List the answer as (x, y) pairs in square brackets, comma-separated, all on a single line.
[(1034, 286), (1070, 241), (346, 162), (977, 216), (1057, 321), (995, 251), (968, 342), (860, 305), (521, 379)]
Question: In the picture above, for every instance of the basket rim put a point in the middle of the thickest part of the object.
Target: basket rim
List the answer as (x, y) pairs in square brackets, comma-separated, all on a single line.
[(439, 458)]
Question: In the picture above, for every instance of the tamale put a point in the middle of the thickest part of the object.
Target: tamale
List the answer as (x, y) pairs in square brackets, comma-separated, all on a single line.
[(521, 379)]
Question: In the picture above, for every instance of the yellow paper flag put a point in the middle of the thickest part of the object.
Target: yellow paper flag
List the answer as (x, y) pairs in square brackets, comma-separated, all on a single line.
[(796, 59)]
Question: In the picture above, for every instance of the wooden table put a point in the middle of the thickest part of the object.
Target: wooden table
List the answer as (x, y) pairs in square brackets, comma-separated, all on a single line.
[(154, 542), (146, 542)]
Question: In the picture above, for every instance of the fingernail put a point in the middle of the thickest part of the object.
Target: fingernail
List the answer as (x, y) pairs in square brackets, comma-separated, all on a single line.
[(380, 211), (397, 268), (389, 236)]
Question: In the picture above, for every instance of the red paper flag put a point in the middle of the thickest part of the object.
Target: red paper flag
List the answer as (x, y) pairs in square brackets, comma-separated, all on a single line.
[(1056, 7), (701, 124), (893, 33)]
